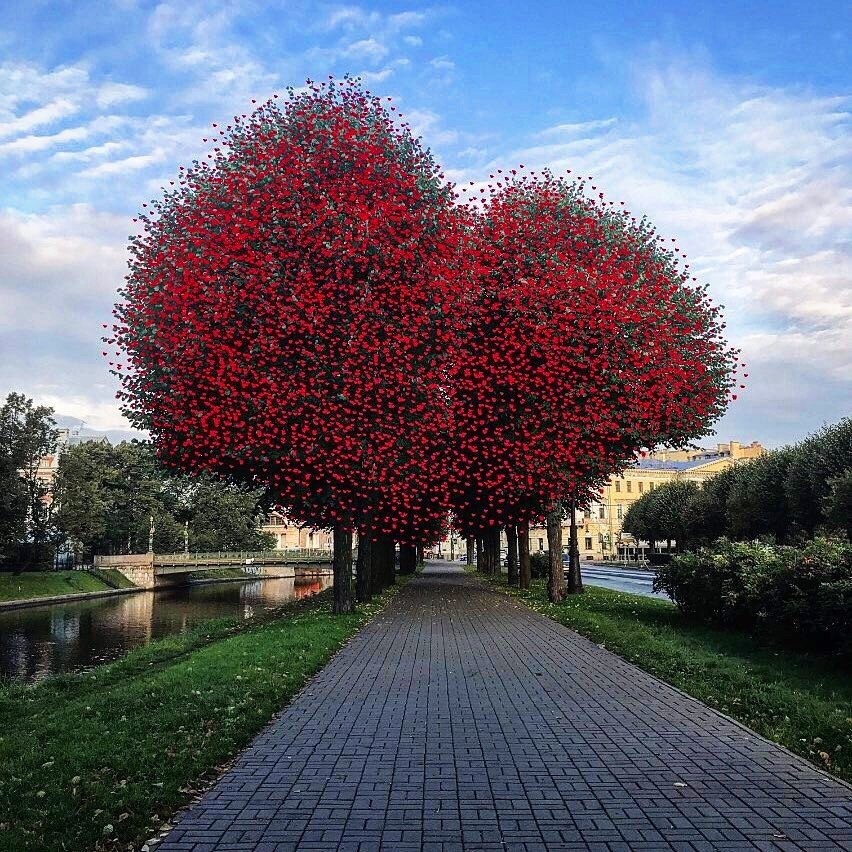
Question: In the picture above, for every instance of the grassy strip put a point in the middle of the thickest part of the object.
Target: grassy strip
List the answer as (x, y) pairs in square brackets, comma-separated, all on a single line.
[(220, 574), (41, 584), (112, 577), (801, 701), (99, 760)]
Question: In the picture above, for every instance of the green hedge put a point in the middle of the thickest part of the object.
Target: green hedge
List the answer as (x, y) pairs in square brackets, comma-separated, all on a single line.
[(800, 594)]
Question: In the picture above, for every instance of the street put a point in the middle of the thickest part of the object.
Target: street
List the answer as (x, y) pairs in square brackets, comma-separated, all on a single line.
[(635, 581)]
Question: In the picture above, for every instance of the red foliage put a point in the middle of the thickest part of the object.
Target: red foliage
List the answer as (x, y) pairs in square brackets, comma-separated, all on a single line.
[(314, 311), (282, 320), (582, 343)]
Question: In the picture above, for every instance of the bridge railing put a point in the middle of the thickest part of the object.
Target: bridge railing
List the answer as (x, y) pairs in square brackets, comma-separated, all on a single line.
[(245, 557)]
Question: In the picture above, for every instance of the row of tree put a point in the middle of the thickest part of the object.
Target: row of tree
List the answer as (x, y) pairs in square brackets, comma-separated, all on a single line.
[(316, 311), (104, 497), (786, 494)]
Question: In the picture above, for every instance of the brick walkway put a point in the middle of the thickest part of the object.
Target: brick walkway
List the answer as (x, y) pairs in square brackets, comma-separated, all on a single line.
[(459, 720)]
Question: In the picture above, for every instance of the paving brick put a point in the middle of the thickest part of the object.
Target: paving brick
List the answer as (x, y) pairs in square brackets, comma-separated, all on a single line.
[(458, 720)]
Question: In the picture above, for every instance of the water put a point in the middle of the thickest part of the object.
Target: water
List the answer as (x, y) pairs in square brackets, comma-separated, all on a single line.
[(45, 640)]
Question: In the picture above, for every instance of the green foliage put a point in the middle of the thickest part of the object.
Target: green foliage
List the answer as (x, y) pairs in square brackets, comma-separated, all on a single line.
[(659, 514), (27, 433), (757, 501), (107, 496), (784, 495), (539, 564), (800, 594), (815, 466)]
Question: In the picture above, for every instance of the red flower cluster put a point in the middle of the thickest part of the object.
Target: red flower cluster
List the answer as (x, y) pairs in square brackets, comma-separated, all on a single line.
[(315, 310)]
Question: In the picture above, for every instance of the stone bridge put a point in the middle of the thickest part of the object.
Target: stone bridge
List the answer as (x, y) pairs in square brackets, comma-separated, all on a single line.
[(155, 571)]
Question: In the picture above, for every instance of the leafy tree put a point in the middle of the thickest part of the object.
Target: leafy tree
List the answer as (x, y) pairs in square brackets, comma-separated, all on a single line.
[(27, 434), (838, 503), (757, 503), (82, 494), (283, 326), (553, 385), (222, 516), (106, 496), (814, 467)]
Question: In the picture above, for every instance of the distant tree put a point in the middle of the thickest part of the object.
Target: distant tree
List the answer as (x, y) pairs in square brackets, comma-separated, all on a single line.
[(838, 504), (27, 434), (813, 470), (82, 496), (106, 497), (222, 516), (757, 502)]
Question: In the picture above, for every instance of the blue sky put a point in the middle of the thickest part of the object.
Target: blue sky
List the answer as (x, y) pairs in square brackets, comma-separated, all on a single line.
[(727, 123)]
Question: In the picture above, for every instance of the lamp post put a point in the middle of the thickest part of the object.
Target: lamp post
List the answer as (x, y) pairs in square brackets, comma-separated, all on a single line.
[(151, 536)]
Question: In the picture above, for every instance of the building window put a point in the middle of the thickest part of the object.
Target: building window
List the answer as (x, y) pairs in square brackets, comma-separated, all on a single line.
[(641, 487), (588, 542), (587, 514), (629, 486), (541, 544), (619, 511), (602, 512), (618, 486), (651, 486)]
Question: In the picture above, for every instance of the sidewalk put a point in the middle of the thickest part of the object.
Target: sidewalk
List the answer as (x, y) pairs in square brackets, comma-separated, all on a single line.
[(460, 720)]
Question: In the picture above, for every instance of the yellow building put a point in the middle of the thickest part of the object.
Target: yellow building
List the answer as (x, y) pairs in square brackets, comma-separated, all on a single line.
[(599, 535), (291, 536)]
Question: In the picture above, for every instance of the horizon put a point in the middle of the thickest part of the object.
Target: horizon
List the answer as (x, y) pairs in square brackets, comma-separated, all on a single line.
[(725, 126)]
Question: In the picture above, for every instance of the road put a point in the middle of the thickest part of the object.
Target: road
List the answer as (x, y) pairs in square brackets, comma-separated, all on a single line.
[(621, 579)]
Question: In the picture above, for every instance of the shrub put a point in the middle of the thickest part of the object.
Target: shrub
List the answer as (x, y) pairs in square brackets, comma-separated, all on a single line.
[(802, 594), (540, 564)]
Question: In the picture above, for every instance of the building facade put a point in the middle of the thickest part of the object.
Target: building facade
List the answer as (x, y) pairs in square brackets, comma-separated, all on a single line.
[(290, 536), (599, 526)]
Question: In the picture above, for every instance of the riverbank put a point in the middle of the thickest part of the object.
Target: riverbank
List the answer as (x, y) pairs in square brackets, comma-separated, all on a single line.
[(800, 701), (31, 586), (100, 760)]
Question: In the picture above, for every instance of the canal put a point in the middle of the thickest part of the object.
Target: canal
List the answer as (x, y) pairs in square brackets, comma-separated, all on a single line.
[(39, 641)]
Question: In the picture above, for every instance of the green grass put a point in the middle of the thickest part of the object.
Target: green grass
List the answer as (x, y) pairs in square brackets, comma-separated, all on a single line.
[(220, 574), (40, 584), (128, 744), (802, 701), (113, 578)]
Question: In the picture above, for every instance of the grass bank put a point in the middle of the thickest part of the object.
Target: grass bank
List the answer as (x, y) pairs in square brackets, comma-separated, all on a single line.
[(100, 760), (42, 584), (220, 574), (803, 702)]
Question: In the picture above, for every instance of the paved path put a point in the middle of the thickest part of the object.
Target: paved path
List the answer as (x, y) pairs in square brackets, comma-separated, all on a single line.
[(460, 720)]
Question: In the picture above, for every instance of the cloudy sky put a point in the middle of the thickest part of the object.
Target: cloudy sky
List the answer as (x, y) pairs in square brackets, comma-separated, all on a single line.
[(728, 126)]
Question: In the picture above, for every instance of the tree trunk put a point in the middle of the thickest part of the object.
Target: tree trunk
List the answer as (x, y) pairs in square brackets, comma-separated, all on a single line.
[(494, 540), (471, 547), (390, 562), (556, 580), (363, 580), (407, 558), (376, 573), (575, 577), (343, 600), (480, 555), (524, 574), (512, 556), (418, 555)]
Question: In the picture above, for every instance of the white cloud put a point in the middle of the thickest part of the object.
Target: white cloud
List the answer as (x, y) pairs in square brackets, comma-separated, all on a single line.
[(756, 183), (111, 94), (442, 63), (367, 48)]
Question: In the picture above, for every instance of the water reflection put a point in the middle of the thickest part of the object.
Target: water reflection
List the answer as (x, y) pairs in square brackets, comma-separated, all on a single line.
[(40, 641)]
